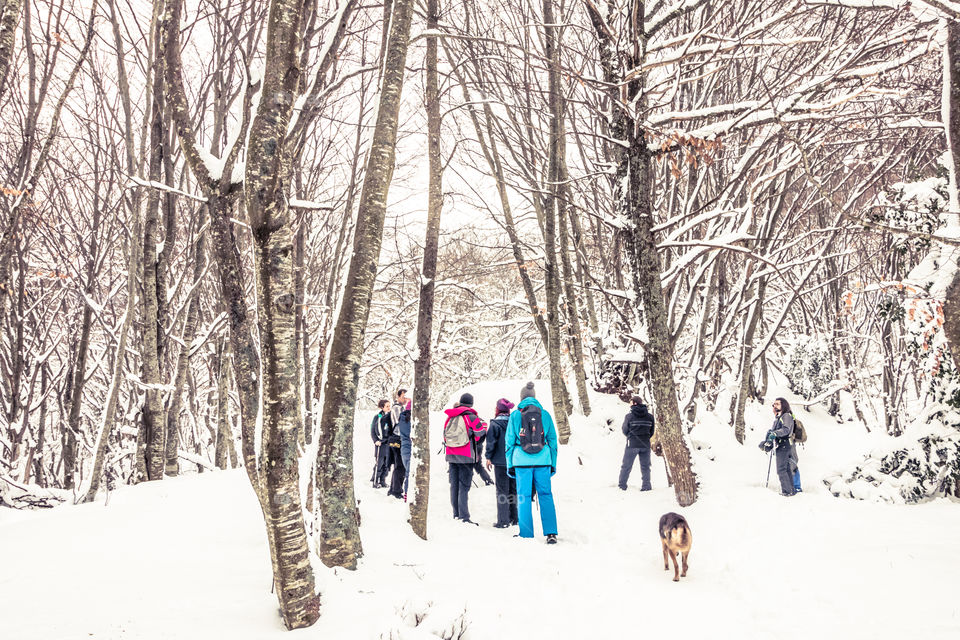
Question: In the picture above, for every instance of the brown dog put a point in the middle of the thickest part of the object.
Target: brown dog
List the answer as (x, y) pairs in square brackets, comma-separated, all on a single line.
[(675, 536)]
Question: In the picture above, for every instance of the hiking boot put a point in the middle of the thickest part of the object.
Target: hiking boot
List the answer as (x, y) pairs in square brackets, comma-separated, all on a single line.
[(552, 538), (622, 488), (498, 525), (469, 521)]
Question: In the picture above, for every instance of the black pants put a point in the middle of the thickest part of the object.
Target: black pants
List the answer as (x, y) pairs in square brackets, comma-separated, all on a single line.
[(785, 469), (382, 465), (399, 473), (629, 454), (461, 476), (506, 496)]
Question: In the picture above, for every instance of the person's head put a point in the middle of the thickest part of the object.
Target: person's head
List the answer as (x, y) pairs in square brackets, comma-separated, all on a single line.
[(635, 400), (527, 391), (780, 405), (503, 406), (383, 404), (466, 400), (401, 395)]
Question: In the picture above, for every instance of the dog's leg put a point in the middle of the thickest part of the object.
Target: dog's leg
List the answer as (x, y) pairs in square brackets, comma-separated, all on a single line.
[(685, 554), (666, 563), (676, 569)]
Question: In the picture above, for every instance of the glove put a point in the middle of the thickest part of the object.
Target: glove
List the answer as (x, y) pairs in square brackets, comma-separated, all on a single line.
[(771, 436), (553, 471), (511, 473)]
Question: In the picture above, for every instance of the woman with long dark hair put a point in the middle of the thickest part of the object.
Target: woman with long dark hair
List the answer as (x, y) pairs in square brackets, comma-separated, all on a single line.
[(780, 434)]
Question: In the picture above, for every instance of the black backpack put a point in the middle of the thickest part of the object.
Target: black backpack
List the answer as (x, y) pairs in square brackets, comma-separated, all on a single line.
[(531, 436), (641, 427)]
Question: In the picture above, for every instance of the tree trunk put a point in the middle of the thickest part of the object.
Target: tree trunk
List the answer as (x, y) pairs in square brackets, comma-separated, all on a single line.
[(632, 186), (152, 417), (549, 224), (420, 427), (573, 306), (340, 535), (9, 19), (951, 79), (172, 444), (224, 434), (746, 360), (266, 188)]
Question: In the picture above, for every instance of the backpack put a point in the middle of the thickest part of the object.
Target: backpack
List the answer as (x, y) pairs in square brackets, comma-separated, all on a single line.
[(640, 428), (455, 432), (531, 436), (799, 432)]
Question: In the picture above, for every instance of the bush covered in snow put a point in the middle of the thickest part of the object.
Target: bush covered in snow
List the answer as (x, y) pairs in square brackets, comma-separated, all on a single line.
[(926, 462), (810, 368), (927, 467)]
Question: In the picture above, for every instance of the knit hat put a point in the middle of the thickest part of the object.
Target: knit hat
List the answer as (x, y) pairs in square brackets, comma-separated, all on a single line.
[(527, 391), (466, 400), (504, 406)]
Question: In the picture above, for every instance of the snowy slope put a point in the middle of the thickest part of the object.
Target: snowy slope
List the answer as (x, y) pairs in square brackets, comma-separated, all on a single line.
[(186, 558)]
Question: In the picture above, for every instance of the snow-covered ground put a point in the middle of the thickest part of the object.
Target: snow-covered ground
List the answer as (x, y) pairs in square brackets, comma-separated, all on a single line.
[(186, 557)]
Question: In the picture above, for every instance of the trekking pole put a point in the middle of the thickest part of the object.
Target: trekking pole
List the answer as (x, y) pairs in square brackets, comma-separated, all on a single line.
[(769, 465)]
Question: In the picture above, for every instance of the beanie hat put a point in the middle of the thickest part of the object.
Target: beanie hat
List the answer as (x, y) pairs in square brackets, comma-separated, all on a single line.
[(527, 391), (504, 406), (466, 400)]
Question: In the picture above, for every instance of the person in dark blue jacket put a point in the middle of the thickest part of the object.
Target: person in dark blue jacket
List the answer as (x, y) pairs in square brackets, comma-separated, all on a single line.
[(497, 459), (533, 469), (401, 415), (638, 426), (380, 431)]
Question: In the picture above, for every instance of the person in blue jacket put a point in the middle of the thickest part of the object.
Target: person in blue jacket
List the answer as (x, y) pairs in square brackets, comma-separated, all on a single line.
[(534, 464)]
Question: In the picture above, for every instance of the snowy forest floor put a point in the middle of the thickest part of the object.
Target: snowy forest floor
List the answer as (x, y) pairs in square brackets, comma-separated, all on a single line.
[(187, 557)]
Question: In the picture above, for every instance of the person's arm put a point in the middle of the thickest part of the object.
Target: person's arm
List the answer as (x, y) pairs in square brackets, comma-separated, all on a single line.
[(785, 426), (626, 425), (395, 413), (373, 428), (511, 437), (653, 425), (550, 431), (493, 434)]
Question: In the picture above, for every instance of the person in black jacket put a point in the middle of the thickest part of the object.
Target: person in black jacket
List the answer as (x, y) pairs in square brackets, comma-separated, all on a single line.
[(638, 427), (496, 458), (379, 431)]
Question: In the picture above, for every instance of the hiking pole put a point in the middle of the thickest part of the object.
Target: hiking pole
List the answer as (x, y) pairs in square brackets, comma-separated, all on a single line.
[(769, 465)]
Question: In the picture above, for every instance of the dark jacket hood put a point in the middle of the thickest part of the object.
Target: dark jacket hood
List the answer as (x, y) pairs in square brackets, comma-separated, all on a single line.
[(639, 410)]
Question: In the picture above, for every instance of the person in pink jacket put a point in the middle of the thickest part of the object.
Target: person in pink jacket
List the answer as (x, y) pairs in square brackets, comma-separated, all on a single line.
[(461, 432)]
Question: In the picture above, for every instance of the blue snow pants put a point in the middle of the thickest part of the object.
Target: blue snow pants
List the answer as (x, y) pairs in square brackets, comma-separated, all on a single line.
[(527, 477)]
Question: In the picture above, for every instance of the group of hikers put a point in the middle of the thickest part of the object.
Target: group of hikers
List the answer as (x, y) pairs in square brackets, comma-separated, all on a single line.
[(520, 446)]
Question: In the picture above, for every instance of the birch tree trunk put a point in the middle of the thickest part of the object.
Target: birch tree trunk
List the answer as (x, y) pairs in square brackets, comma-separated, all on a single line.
[(9, 19), (420, 427), (266, 189)]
